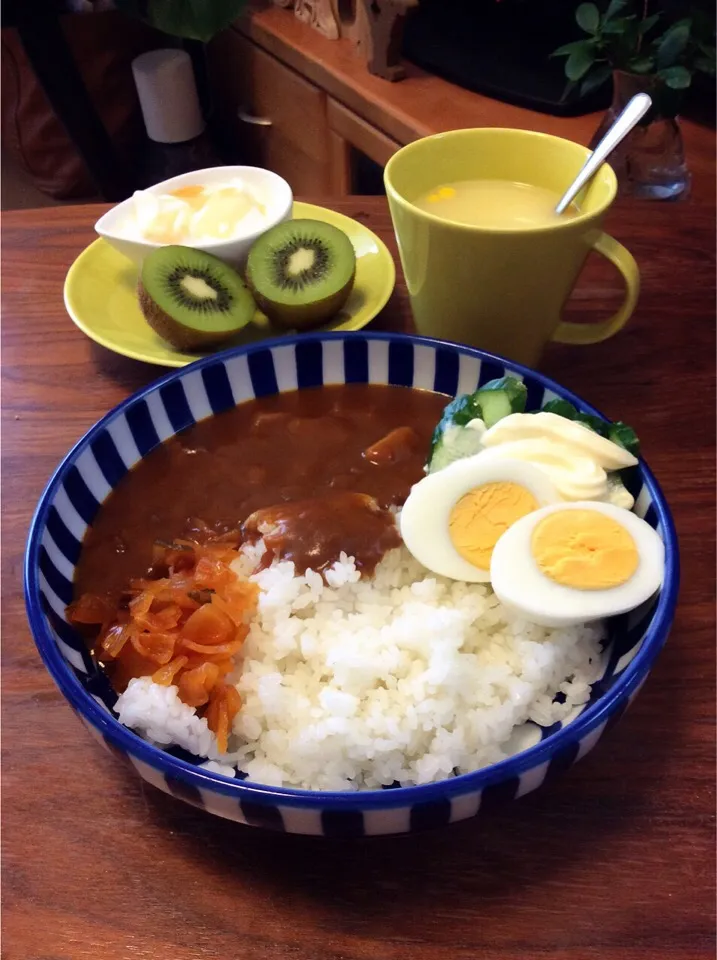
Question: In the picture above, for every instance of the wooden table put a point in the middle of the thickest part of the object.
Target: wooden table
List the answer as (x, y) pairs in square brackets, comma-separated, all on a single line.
[(612, 863)]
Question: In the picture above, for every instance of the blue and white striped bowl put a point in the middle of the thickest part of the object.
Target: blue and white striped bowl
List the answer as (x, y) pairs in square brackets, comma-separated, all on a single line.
[(100, 460)]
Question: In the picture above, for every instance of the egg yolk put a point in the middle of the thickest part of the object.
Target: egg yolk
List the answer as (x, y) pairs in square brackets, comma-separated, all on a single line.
[(482, 516), (584, 549)]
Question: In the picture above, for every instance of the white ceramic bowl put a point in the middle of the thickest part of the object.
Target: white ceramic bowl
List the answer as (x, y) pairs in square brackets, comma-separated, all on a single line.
[(113, 226)]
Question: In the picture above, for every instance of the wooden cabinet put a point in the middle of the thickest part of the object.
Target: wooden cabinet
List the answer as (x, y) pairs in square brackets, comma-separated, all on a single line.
[(351, 138), (277, 119), (331, 119)]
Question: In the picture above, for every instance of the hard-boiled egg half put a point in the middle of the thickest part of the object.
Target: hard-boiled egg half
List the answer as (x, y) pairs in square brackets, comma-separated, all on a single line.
[(453, 519), (574, 562)]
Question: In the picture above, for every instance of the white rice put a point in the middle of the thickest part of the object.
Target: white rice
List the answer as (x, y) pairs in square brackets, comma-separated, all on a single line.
[(356, 684)]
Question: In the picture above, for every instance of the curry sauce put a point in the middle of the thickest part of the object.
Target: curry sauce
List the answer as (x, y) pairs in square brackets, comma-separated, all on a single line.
[(309, 447)]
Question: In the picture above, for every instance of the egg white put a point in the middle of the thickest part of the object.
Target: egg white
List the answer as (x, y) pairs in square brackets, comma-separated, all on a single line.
[(425, 516), (521, 586)]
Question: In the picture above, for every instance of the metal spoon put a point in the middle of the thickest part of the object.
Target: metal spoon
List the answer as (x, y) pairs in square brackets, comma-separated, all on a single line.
[(636, 108)]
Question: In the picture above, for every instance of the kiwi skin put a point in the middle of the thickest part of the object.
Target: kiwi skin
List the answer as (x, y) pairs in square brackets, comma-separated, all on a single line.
[(304, 317), (177, 334)]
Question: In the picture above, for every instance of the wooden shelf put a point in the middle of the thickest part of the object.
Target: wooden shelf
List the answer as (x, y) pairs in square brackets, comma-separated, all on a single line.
[(423, 104)]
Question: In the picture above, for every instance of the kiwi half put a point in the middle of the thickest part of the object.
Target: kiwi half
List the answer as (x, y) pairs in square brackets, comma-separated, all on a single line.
[(192, 299), (301, 272)]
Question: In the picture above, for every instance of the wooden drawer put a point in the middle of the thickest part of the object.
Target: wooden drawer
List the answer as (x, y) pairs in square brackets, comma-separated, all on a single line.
[(280, 118)]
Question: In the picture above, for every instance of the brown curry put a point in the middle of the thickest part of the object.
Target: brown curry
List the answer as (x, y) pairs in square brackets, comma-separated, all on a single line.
[(300, 459)]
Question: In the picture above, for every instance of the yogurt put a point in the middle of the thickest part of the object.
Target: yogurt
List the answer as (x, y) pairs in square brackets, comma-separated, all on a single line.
[(199, 213)]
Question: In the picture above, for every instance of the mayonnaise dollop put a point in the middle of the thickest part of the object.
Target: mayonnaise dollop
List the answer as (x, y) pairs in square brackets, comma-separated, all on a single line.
[(576, 459)]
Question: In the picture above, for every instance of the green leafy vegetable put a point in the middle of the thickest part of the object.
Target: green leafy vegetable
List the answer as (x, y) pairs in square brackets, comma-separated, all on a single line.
[(618, 432), (461, 410), (493, 401), (563, 408), (458, 413), (596, 424), (453, 439), (624, 436), (515, 389)]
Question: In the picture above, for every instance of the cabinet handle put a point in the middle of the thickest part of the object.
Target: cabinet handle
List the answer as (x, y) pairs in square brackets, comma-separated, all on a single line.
[(246, 117)]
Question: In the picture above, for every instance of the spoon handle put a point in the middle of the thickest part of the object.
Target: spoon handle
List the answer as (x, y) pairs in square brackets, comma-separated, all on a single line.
[(636, 108)]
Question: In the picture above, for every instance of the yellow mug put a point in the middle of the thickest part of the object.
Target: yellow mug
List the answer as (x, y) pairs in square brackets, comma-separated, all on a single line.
[(502, 289)]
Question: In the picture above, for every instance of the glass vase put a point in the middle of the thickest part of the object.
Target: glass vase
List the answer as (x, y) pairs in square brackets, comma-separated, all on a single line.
[(650, 161)]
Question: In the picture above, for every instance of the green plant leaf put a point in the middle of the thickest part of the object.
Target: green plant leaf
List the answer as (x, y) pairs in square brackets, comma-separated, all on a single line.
[(677, 78), (588, 17), (642, 65), (672, 43), (567, 91), (190, 19), (614, 7), (705, 64), (595, 78), (619, 26), (703, 26), (568, 48), (647, 24), (578, 63)]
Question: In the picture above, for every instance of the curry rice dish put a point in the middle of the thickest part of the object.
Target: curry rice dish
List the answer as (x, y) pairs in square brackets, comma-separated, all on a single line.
[(249, 592)]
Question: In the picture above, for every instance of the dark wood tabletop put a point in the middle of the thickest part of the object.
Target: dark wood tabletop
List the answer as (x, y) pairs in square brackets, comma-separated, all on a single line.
[(613, 862)]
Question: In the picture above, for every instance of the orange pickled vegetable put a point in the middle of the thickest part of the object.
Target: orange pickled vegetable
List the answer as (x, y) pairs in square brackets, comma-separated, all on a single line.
[(158, 647), (142, 603), (165, 675), (114, 640), (224, 666), (90, 609), (130, 664), (213, 574), (224, 704), (161, 620), (195, 685), (184, 628), (208, 625), (221, 650)]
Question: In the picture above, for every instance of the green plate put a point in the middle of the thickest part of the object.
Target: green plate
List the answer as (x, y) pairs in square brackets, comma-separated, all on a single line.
[(101, 298)]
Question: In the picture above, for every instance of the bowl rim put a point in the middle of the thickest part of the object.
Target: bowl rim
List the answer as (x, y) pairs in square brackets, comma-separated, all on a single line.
[(107, 233), (540, 753)]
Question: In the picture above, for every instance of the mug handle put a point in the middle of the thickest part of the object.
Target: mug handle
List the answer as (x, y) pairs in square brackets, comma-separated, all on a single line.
[(596, 332)]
